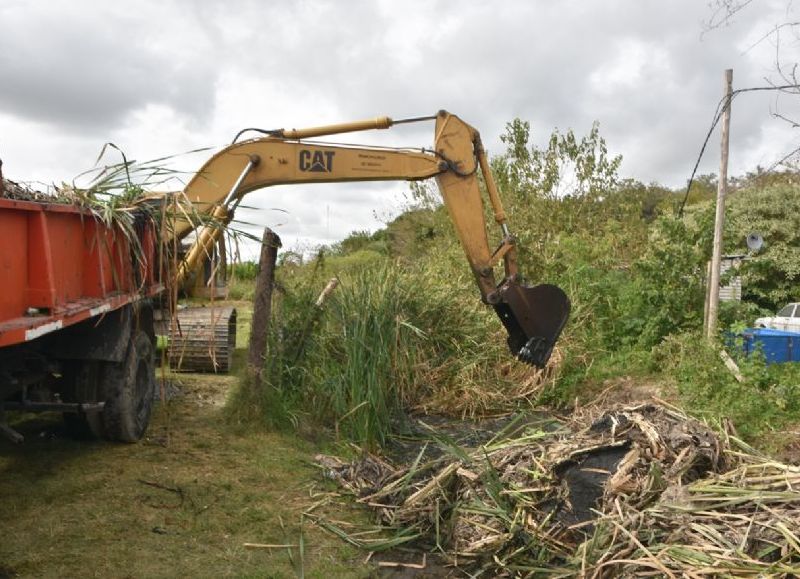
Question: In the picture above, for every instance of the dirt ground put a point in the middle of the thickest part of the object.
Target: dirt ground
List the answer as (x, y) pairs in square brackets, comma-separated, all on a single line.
[(181, 503)]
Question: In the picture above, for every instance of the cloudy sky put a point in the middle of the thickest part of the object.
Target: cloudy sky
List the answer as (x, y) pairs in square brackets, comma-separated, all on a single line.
[(164, 77)]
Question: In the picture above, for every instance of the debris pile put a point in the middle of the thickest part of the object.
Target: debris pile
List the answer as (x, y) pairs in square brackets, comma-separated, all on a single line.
[(21, 192), (634, 490)]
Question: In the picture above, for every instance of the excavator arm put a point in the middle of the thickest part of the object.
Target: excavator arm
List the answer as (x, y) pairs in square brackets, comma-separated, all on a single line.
[(533, 316)]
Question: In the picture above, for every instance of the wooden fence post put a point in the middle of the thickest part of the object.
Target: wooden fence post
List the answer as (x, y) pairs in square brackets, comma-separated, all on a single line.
[(262, 302)]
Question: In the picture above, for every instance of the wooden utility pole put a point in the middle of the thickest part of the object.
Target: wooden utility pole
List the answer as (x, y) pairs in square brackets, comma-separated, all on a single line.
[(262, 302), (719, 220), (707, 297)]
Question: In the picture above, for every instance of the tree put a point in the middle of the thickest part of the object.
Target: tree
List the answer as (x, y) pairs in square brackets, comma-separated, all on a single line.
[(567, 166), (770, 277)]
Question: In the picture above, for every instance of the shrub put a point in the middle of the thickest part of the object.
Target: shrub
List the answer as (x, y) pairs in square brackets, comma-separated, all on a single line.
[(766, 399)]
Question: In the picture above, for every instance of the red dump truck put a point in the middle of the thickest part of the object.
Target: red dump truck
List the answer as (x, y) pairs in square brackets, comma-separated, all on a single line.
[(76, 317)]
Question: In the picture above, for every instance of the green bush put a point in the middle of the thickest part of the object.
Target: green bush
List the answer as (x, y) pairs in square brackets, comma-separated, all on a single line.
[(246, 270), (241, 281), (770, 277), (241, 289), (766, 399)]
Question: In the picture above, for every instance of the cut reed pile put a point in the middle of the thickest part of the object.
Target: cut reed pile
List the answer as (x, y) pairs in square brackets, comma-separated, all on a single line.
[(634, 491), (22, 192)]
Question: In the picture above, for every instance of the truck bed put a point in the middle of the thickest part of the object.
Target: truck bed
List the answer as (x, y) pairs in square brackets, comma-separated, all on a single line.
[(60, 265)]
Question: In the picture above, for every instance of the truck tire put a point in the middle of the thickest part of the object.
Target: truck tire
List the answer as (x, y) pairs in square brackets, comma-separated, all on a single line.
[(85, 377), (129, 390)]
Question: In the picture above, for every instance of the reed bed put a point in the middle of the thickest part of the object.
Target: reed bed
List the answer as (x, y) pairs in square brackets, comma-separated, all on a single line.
[(385, 342)]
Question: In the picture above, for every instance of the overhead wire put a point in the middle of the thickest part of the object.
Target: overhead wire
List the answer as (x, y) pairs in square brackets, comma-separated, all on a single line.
[(721, 106)]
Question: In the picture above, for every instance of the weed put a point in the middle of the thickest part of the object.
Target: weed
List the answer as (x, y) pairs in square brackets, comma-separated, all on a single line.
[(767, 398)]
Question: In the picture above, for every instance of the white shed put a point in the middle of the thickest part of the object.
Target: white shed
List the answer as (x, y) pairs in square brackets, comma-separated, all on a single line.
[(733, 290)]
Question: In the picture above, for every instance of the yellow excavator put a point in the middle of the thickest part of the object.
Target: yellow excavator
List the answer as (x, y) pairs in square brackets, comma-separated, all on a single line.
[(533, 316)]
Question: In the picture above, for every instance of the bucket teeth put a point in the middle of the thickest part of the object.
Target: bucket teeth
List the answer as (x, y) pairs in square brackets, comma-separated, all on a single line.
[(535, 352)]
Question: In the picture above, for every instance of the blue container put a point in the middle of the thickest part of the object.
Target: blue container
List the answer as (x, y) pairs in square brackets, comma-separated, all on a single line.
[(778, 346)]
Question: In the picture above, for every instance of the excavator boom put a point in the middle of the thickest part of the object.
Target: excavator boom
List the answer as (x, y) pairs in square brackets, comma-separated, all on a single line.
[(533, 316)]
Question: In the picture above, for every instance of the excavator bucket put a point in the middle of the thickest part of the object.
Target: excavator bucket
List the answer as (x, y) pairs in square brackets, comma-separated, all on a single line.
[(534, 318)]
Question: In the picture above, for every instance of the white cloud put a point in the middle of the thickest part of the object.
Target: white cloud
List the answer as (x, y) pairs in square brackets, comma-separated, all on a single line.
[(633, 64), (168, 76)]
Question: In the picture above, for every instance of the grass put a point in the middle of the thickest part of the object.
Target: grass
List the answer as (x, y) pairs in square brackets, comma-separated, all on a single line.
[(402, 334), (349, 361), (765, 401), (190, 507), (183, 502)]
